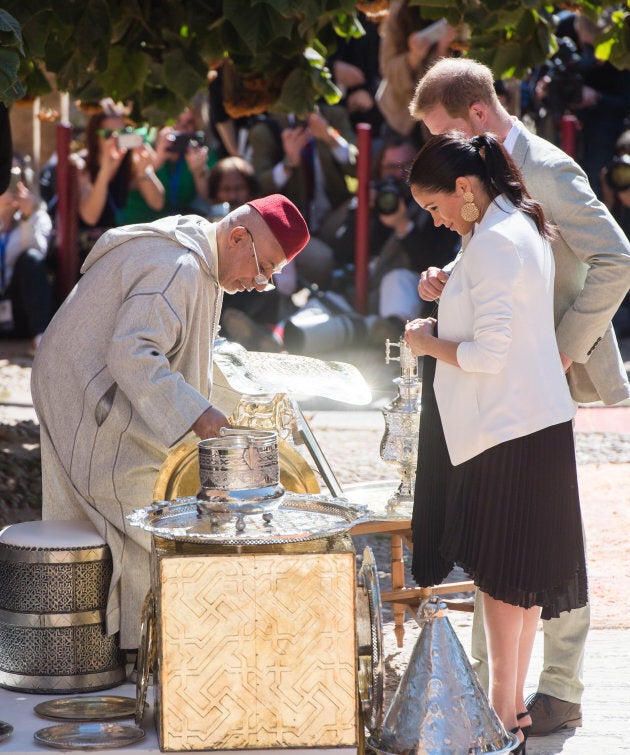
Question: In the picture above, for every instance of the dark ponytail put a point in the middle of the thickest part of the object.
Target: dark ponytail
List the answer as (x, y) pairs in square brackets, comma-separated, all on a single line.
[(446, 157)]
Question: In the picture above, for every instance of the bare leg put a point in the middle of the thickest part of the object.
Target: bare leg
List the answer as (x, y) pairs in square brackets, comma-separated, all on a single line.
[(510, 631), (526, 644)]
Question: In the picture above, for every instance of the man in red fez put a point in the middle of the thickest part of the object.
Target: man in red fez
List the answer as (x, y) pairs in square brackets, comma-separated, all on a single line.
[(124, 370)]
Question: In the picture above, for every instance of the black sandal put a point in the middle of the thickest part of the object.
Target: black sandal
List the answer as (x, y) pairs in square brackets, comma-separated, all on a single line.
[(520, 749)]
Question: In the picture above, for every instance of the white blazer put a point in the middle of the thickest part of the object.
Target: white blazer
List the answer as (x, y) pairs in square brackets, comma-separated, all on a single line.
[(498, 304)]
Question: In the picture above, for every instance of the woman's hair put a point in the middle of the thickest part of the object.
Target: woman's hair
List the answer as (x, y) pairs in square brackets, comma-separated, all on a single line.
[(233, 164), (447, 157)]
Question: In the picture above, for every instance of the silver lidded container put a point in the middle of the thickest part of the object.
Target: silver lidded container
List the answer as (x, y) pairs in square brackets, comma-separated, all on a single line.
[(239, 473)]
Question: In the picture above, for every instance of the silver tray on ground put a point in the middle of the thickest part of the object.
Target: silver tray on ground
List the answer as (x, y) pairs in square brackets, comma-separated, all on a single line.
[(96, 708), (300, 518), (5, 730), (88, 736)]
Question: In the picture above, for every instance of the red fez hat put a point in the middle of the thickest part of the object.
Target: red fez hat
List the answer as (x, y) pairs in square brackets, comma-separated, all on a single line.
[(285, 222)]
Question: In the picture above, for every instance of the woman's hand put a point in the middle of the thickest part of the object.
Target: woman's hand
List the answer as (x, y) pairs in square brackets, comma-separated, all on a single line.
[(142, 160), (26, 201), (197, 158), (110, 158), (432, 281), (417, 334)]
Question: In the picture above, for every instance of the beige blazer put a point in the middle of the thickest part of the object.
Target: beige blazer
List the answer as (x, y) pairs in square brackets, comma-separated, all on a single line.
[(592, 256)]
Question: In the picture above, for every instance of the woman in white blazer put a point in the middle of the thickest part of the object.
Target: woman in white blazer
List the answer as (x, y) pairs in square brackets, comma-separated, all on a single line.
[(503, 501)]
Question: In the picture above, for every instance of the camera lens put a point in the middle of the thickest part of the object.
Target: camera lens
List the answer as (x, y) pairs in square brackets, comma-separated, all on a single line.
[(387, 202), (388, 194), (618, 174)]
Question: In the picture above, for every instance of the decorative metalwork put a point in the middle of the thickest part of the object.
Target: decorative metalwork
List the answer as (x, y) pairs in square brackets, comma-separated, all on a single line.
[(147, 654), (273, 412), (256, 373), (101, 708), (52, 619), (88, 736), (399, 444), (369, 623), (239, 473), (50, 588), (298, 519), (439, 705)]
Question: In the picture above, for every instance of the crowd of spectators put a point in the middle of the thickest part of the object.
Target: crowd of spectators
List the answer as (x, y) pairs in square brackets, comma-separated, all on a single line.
[(206, 162)]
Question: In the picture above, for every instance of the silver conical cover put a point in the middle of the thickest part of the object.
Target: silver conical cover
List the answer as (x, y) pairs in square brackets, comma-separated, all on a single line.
[(439, 707)]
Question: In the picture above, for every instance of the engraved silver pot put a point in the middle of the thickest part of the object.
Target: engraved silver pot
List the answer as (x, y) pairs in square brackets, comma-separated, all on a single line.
[(239, 472)]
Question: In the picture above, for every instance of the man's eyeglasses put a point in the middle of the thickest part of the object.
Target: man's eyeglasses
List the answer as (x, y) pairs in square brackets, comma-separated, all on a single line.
[(259, 279)]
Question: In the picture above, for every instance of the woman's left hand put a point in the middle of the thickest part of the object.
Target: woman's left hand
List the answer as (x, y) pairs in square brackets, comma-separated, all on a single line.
[(417, 333)]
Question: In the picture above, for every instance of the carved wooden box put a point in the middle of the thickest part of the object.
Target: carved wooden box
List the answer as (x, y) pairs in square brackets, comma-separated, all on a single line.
[(255, 649)]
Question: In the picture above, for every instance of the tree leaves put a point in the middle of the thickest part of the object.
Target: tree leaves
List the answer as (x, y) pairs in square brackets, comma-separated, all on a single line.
[(157, 53)]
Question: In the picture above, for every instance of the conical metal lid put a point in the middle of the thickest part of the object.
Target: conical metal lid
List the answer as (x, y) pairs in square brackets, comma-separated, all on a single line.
[(439, 707)]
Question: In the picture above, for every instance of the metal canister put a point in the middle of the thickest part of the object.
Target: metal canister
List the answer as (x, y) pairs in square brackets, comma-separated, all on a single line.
[(55, 580), (240, 472)]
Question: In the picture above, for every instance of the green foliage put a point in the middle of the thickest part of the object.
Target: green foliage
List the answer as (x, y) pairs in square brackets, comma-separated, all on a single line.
[(10, 50), (156, 53)]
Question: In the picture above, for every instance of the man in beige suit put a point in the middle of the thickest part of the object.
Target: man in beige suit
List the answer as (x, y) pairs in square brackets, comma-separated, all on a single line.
[(123, 371), (592, 257)]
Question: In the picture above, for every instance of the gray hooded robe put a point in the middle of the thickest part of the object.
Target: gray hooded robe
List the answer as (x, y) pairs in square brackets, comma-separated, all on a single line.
[(122, 373)]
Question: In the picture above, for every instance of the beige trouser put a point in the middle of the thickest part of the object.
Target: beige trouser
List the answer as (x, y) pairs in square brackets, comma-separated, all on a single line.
[(563, 652)]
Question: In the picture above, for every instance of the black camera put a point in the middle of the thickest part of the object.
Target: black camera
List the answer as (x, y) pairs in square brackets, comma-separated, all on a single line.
[(389, 192), (565, 79), (618, 173), (179, 141)]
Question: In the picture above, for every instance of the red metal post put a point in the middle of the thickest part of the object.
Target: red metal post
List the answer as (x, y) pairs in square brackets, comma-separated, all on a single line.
[(569, 126), (362, 241), (67, 226)]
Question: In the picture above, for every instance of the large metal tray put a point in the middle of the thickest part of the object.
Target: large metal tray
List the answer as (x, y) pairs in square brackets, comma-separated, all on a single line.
[(300, 518)]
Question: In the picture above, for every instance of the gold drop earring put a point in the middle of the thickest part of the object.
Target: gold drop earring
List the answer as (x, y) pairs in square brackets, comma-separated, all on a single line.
[(469, 211)]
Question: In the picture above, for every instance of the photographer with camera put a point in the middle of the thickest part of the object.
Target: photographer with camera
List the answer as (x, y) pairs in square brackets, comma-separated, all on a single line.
[(116, 162), (410, 243), (25, 292), (596, 92), (308, 160), (182, 164)]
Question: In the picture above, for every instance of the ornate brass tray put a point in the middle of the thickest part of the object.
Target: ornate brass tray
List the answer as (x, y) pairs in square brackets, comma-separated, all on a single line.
[(5, 730), (96, 708), (88, 736), (298, 519)]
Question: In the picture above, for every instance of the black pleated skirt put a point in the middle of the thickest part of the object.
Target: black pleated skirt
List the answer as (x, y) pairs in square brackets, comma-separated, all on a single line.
[(510, 517)]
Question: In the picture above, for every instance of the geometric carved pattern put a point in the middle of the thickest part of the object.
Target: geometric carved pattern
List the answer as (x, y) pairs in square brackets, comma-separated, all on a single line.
[(54, 588), (51, 633), (57, 651), (256, 651)]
